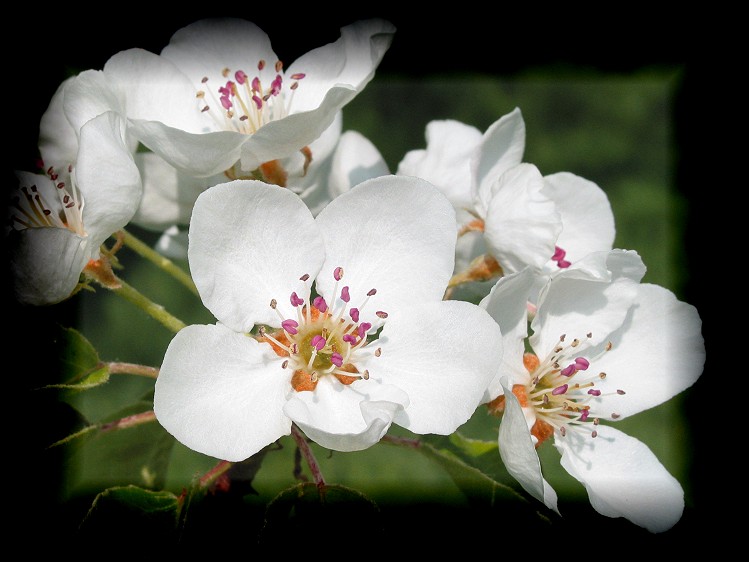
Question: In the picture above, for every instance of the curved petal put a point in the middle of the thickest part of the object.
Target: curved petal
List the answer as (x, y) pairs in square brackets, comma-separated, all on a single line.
[(346, 417), (519, 454), (283, 137), (606, 266), (156, 90), (205, 154), (58, 140), (394, 234), (522, 225), (46, 263), (89, 94), (587, 218), (657, 353), (351, 60), (623, 478), (443, 355), (446, 161), (208, 46), (250, 242), (507, 304), (107, 177), (221, 393), (355, 159), (501, 148), (576, 308)]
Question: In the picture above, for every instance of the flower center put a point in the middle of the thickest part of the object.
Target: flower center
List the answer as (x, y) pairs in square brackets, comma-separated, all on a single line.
[(322, 340), (562, 391), (59, 205), (245, 104)]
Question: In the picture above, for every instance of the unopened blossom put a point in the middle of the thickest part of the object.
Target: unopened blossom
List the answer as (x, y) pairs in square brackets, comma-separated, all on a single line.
[(335, 323), (507, 210), (59, 219), (218, 100), (602, 347)]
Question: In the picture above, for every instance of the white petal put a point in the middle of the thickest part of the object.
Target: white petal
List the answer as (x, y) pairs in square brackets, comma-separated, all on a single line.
[(350, 60), (58, 140), (89, 94), (168, 195), (221, 393), (606, 266), (394, 234), (46, 263), (587, 218), (156, 90), (657, 353), (443, 355), (501, 148), (578, 307), (107, 177), (507, 304), (519, 454), (173, 243), (446, 161), (356, 159), (346, 417), (522, 224), (208, 46), (250, 242), (623, 478)]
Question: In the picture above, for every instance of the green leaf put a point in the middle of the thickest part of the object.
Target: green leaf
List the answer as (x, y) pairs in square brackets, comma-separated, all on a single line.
[(76, 355), (96, 378), (125, 516), (133, 455), (461, 458)]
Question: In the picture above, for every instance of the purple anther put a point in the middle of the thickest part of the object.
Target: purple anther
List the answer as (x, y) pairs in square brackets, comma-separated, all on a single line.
[(349, 339), (336, 359), (363, 329), (345, 297), (258, 102), (204, 79), (279, 66), (584, 415), (581, 363), (255, 84), (304, 277), (381, 314), (569, 370), (320, 304), (318, 342), (338, 273), (372, 292), (290, 326), (354, 313), (560, 390), (226, 102), (594, 392), (240, 76), (558, 254), (275, 86), (564, 264), (226, 90), (298, 76), (295, 300), (260, 64)]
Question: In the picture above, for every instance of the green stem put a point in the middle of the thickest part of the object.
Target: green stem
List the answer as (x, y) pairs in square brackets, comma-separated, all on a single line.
[(144, 250), (118, 368), (156, 311)]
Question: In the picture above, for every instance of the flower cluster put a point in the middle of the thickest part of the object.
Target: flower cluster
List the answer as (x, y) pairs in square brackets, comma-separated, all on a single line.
[(347, 297)]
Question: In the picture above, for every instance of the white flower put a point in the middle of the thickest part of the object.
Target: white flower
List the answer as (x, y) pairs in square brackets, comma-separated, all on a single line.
[(505, 207), (603, 347), (59, 220), (354, 334), (217, 99)]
